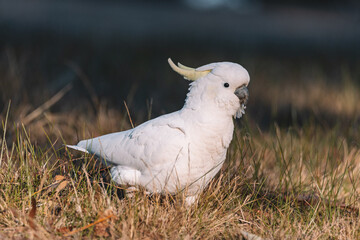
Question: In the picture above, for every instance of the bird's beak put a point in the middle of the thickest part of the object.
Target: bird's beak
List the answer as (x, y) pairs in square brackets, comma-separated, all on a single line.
[(243, 94)]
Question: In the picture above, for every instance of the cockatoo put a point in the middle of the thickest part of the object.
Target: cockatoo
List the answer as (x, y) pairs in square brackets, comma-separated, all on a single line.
[(185, 149)]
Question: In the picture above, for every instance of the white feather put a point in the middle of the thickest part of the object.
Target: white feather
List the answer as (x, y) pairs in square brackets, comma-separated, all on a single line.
[(75, 147), (183, 149)]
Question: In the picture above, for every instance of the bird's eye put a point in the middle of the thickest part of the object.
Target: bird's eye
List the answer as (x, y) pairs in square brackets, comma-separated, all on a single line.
[(226, 85)]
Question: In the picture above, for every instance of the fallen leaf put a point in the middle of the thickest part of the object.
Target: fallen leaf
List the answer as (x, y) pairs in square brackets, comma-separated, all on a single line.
[(32, 212), (61, 186), (59, 178), (64, 230)]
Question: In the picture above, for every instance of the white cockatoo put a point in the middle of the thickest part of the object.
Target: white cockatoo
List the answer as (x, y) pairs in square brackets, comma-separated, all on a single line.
[(185, 149)]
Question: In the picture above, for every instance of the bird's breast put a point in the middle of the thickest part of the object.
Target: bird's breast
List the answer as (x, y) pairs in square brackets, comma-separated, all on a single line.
[(207, 149)]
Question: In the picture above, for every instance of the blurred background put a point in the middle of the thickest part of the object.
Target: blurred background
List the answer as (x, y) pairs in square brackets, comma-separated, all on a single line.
[(69, 66)]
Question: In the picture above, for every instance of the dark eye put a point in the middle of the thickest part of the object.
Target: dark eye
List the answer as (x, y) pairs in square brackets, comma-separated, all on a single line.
[(226, 85)]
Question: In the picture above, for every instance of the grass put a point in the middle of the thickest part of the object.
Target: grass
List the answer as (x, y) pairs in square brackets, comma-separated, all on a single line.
[(294, 183), (298, 180)]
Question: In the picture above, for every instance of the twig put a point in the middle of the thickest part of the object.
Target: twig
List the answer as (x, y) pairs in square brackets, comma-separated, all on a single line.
[(37, 112), (87, 226), (128, 112)]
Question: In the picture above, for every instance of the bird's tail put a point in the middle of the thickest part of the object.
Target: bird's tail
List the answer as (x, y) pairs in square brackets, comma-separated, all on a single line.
[(77, 148), (82, 149)]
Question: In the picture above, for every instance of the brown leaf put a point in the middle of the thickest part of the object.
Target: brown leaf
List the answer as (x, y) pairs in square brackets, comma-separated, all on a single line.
[(64, 230), (59, 178), (61, 186), (32, 212), (32, 223)]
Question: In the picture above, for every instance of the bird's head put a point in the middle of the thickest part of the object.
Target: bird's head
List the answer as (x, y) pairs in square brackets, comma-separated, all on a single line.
[(222, 85)]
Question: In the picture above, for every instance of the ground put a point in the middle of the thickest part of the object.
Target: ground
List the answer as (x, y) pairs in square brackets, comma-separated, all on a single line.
[(292, 170)]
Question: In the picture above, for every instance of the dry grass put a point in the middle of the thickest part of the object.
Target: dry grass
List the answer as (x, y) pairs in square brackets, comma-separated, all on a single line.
[(297, 182)]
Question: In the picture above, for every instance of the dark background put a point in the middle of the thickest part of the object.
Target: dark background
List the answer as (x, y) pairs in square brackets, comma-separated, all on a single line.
[(115, 51)]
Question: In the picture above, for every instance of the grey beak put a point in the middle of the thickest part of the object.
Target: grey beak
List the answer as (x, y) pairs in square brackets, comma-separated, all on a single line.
[(243, 94)]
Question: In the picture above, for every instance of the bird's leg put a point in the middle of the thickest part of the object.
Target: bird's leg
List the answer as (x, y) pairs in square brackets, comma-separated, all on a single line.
[(125, 175), (115, 176)]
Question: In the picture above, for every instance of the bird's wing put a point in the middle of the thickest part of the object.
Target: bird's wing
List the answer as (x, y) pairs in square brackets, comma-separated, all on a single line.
[(153, 143)]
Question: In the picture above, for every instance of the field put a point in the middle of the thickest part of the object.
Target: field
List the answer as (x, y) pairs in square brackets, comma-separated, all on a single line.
[(292, 171)]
